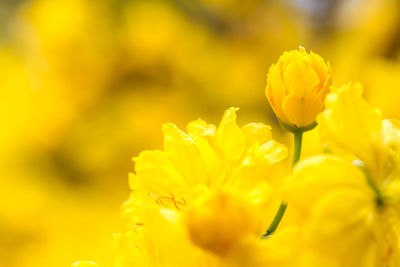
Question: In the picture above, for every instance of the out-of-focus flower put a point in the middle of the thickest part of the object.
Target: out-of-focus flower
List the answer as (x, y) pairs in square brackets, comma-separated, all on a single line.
[(297, 86), (346, 119), (351, 209), (364, 30), (381, 78)]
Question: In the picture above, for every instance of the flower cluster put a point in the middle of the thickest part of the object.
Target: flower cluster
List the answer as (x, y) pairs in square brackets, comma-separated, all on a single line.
[(208, 197)]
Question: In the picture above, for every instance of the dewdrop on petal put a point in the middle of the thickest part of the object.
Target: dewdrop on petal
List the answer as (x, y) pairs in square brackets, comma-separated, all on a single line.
[(297, 86)]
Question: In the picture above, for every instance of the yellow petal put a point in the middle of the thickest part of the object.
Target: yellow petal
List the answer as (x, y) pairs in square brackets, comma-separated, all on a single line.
[(157, 174), (349, 125), (257, 164), (391, 139), (316, 176), (230, 136), (203, 135), (299, 78), (212, 161), (200, 128), (324, 72), (273, 151), (342, 225), (184, 154), (276, 91), (256, 132), (171, 240), (301, 110), (306, 257), (257, 252), (133, 249)]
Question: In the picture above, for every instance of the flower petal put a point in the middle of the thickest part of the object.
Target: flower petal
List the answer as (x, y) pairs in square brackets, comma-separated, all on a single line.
[(230, 136), (350, 126)]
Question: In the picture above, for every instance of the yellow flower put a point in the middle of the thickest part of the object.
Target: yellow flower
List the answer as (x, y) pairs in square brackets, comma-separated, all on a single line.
[(205, 158), (297, 86), (205, 199), (351, 210), (208, 191), (345, 219)]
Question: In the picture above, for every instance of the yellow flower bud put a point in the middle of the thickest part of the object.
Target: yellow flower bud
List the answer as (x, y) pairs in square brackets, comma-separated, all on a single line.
[(297, 86), (221, 221)]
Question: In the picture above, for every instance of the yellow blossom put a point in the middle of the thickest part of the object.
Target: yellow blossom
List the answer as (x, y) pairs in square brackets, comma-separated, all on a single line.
[(344, 218), (297, 86), (204, 159), (208, 191), (351, 208)]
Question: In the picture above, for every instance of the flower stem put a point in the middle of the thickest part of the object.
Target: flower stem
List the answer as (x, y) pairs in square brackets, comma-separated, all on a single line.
[(298, 139), (278, 217)]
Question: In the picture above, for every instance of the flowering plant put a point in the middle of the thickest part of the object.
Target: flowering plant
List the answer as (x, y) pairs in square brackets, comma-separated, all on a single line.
[(209, 198)]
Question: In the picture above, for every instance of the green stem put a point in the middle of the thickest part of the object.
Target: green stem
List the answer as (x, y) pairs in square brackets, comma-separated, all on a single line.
[(276, 221), (298, 138)]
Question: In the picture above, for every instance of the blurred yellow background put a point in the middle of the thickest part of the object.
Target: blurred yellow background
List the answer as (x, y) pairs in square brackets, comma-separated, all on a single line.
[(85, 86)]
